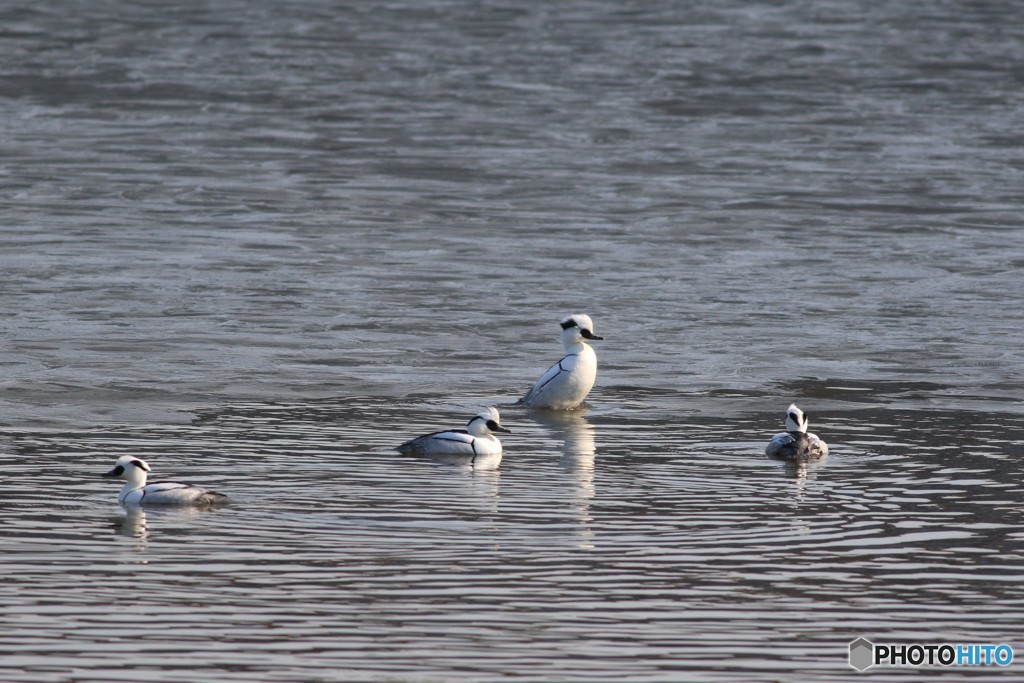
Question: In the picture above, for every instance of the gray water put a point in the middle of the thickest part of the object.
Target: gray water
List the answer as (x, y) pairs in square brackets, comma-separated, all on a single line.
[(261, 243)]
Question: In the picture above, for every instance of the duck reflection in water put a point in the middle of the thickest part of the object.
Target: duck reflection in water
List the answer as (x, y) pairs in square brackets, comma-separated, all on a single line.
[(132, 523), (136, 520), (578, 449)]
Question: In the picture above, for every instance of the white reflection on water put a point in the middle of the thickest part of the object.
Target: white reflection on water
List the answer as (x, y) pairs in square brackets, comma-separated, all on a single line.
[(479, 463), (802, 474), (136, 521), (579, 446)]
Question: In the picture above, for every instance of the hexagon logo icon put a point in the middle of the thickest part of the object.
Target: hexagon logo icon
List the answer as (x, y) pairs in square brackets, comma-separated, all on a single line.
[(862, 654)]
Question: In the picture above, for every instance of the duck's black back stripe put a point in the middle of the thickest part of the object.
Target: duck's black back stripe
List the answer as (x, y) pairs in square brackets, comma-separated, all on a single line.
[(125, 496), (177, 487), (560, 371), (448, 438), (437, 435)]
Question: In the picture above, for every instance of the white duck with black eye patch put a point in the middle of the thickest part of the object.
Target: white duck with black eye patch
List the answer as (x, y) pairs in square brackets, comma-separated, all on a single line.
[(796, 443), (568, 382), (136, 492), (476, 440)]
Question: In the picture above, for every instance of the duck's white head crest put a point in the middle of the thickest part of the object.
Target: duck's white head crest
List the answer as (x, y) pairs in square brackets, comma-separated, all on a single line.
[(485, 422), (578, 328), (796, 419), (130, 468)]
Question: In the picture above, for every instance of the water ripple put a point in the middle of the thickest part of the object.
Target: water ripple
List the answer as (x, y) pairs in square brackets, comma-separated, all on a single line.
[(336, 545), (260, 244)]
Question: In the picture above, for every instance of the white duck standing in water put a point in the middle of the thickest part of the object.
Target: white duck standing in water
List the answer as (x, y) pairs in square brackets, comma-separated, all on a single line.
[(136, 492), (796, 443), (476, 441), (566, 383)]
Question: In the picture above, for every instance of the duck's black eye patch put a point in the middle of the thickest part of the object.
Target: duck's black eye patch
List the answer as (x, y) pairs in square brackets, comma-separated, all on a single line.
[(566, 324), (805, 418), (585, 333), (492, 425), (117, 471), (794, 417)]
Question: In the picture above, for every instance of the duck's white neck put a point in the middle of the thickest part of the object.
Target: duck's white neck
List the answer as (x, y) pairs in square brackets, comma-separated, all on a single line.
[(572, 342), (135, 477)]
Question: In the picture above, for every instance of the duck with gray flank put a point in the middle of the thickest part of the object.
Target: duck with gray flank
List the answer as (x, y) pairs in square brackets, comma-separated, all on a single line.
[(796, 443), (476, 440), (137, 492)]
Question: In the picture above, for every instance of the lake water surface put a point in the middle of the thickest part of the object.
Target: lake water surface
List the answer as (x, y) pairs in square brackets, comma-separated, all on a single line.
[(261, 244)]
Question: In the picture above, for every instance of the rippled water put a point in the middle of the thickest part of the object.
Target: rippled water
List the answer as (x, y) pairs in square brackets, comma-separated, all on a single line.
[(260, 244)]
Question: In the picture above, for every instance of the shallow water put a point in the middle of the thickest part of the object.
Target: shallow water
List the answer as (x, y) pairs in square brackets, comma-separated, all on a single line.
[(260, 246)]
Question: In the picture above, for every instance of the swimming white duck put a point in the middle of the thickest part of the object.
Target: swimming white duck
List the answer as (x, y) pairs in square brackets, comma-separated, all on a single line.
[(475, 441), (567, 382), (796, 443), (137, 492)]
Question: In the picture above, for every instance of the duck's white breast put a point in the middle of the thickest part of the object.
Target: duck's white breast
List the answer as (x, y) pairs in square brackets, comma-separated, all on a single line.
[(566, 383)]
